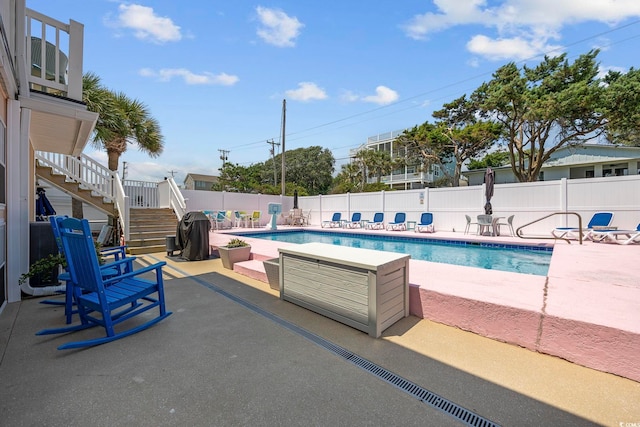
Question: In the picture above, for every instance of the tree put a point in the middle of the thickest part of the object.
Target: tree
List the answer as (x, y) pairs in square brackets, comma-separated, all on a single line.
[(493, 160), (544, 108), (456, 137), (240, 179), (376, 163), (122, 121), (622, 107), (310, 168), (349, 180)]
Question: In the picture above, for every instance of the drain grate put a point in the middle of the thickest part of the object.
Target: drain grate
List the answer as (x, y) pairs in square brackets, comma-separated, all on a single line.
[(454, 410)]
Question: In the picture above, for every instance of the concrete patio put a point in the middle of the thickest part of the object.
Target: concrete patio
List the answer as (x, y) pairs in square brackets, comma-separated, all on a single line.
[(233, 353)]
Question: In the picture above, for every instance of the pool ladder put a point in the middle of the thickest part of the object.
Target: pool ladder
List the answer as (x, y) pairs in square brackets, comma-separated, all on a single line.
[(519, 229)]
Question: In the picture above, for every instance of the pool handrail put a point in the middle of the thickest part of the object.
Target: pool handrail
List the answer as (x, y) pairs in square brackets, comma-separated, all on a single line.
[(519, 229)]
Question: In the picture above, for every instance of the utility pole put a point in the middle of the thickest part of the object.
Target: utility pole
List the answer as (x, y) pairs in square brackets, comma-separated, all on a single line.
[(224, 155), (173, 173), (124, 170), (284, 125), (272, 150)]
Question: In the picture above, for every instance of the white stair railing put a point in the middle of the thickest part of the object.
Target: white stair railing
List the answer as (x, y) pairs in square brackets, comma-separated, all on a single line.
[(93, 176)]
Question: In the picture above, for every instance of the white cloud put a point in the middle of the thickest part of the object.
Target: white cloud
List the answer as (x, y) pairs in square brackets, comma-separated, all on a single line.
[(190, 78), (348, 96), (278, 28), (522, 28), (306, 91), (383, 96), (147, 25), (507, 48)]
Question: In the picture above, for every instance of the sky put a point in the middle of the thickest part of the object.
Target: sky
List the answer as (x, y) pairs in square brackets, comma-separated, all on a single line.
[(216, 74)]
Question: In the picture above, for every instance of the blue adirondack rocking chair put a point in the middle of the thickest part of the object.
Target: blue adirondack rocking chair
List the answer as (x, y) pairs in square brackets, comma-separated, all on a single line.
[(107, 270), (101, 302)]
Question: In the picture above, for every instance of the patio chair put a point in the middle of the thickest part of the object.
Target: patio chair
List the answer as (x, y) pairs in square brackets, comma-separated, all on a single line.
[(103, 299), (399, 222), (240, 218), (599, 219), (106, 269), (612, 236), (306, 218), (469, 224), (509, 224), (254, 219), (296, 217), (355, 220), (220, 220), (333, 222), (426, 223), (377, 223)]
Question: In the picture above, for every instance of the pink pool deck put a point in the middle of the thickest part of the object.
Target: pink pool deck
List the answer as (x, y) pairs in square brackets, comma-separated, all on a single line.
[(586, 310)]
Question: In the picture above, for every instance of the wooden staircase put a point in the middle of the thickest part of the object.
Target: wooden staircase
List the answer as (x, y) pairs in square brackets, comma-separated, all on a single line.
[(74, 189), (149, 228)]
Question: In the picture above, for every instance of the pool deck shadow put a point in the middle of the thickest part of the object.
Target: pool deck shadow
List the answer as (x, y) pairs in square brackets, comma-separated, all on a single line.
[(586, 310)]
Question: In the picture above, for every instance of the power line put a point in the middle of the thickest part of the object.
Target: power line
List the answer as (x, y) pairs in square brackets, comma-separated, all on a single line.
[(446, 86)]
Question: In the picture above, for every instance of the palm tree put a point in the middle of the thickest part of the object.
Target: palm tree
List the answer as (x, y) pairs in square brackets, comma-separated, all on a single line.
[(122, 121)]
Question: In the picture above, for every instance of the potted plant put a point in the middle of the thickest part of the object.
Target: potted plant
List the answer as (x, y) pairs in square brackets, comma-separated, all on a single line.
[(44, 271), (236, 250)]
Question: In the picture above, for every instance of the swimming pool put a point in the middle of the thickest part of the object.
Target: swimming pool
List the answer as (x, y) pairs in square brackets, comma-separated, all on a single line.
[(513, 258)]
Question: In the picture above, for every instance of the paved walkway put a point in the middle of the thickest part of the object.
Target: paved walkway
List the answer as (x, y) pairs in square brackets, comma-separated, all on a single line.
[(233, 354)]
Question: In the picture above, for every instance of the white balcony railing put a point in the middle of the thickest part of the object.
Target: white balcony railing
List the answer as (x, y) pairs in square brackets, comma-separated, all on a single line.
[(54, 51)]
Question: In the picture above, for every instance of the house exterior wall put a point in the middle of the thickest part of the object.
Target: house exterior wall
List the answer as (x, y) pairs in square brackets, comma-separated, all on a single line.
[(587, 161), (410, 177)]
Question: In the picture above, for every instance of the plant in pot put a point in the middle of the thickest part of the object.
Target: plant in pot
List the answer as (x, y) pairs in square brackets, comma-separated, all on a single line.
[(46, 269), (236, 250)]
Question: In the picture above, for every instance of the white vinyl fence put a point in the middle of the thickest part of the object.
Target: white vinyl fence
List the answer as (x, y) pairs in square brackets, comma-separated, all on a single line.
[(527, 201)]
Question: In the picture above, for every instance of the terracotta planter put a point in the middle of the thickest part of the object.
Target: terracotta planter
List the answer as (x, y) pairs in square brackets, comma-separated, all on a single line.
[(230, 256)]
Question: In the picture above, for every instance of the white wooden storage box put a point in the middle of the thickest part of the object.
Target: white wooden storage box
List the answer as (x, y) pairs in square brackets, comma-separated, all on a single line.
[(362, 288)]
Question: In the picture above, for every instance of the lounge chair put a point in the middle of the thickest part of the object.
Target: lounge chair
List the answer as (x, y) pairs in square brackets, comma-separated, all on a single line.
[(334, 221), (426, 223), (612, 236), (355, 220), (399, 223), (377, 223), (599, 219)]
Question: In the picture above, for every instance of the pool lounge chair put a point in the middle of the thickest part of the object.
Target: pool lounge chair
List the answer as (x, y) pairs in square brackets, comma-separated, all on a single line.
[(599, 219), (355, 220), (399, 223), (377, 223), (333, 222), (612, 236), (426, 223)]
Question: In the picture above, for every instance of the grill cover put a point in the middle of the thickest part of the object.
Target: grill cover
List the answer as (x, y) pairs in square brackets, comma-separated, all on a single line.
[(192, 236)]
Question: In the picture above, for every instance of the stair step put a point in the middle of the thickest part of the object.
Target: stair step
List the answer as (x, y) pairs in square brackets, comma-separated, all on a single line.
[(141, 250)]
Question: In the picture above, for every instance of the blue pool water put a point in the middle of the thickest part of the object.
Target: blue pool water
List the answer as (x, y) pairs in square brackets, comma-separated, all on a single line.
[(514, 258)]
